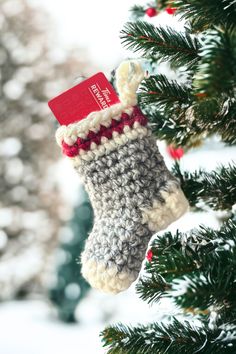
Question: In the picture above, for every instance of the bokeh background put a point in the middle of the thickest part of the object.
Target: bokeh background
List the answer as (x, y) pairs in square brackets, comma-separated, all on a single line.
[(45, 215)]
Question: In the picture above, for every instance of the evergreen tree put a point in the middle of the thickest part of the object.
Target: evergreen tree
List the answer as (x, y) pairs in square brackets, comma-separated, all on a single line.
[(197, 270), (70, 286)]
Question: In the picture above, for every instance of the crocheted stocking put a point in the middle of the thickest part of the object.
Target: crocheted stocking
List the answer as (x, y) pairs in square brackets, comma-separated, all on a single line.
[(132, 192)]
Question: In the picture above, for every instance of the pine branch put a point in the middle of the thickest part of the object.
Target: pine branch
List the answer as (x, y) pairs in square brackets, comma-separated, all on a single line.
[(137, 11), (186, 126), (216, 71), (175, 338), (168, 263), (155, 287), (205, 260), (225, 315), (214, 287), (205, 110), (216, 189), (204, 14), (163, 4), (174, 264), (162, 43), (173, 126), (164, 93), (225, 124), (215, 284)]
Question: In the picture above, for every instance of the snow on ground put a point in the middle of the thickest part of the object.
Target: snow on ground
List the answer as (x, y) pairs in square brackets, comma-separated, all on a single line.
[(26, 327), (29, 327)]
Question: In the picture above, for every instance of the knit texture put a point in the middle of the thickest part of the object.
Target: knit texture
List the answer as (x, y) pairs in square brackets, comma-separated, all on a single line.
[(132, 192)]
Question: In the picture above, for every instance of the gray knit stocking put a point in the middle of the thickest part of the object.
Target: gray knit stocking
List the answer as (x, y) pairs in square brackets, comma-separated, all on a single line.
[(132, 192)]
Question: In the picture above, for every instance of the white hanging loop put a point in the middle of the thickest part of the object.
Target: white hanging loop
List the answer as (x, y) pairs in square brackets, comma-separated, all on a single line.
[(128, 77)]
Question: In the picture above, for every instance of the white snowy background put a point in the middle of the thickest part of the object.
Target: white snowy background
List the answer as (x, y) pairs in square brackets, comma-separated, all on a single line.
[(30, 327)]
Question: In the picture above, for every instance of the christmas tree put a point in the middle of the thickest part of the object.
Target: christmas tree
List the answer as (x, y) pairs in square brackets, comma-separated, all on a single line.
[(70, 286), (197, 269)]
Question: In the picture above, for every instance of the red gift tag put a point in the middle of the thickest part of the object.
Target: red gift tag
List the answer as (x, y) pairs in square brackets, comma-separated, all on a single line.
[(93, 94)]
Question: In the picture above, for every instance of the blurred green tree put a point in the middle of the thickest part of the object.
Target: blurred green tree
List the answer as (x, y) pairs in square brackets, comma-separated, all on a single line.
[(70, 287)]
